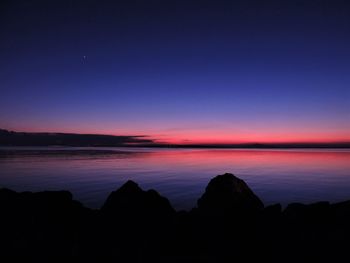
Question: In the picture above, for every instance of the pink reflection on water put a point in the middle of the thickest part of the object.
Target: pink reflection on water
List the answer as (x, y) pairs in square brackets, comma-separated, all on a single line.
[(288, 159), (182, 174)]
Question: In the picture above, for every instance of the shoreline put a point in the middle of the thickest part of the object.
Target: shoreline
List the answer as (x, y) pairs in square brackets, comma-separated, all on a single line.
[(229, 223)]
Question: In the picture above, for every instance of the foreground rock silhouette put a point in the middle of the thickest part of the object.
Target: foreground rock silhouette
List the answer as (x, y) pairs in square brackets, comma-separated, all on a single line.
[(130, 200), (227, 194), (230, 224)]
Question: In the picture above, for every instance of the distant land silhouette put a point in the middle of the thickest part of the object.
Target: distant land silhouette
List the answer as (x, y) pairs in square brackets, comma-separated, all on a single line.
[(12, 138)]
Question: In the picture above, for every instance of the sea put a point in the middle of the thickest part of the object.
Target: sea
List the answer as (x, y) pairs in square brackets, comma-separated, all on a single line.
[(92, 173)]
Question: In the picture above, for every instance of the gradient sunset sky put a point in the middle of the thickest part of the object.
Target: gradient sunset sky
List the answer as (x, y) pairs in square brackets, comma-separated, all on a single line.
[(178, 71)]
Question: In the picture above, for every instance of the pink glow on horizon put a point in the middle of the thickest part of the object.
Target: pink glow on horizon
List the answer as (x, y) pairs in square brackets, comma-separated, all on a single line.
[(211, 136), (257, 138)]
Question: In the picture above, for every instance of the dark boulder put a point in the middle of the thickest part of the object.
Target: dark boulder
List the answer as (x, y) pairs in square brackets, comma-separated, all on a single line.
[(134, 224), (273, 210), (56, 203), (131, 200), (40, 225), (226, 194), (271, 214), (312, 214), (294, 211), (7, 198), (6, 194), (342, 210), (51, 200)]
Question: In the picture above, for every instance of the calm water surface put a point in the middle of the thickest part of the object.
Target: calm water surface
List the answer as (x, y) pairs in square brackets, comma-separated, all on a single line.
[(180, 174)]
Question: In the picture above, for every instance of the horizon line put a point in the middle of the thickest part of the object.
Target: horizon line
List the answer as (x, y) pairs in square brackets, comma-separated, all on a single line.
[(157, 143)]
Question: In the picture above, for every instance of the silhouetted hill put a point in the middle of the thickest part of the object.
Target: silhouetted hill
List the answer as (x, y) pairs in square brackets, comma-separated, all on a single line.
[(10, 138)]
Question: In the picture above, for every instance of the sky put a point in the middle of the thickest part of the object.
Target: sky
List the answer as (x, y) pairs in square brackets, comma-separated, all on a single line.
[(178, 71)]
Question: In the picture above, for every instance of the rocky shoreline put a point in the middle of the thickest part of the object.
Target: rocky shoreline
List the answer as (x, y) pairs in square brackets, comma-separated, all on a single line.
[(229, 224)]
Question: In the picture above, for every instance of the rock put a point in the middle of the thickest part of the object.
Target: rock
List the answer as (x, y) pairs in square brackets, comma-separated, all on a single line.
[(275, 209), (6, 194), (342, 209), (319, 209), (272, 213), (7, 197), (40, 224), (39, 202), (226, 194), (295, 210), (52, 200), (311, 213), (132, 220), (131, 200), (141, 226)]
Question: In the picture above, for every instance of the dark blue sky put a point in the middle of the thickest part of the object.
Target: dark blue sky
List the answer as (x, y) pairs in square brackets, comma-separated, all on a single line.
[(181, 71)]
